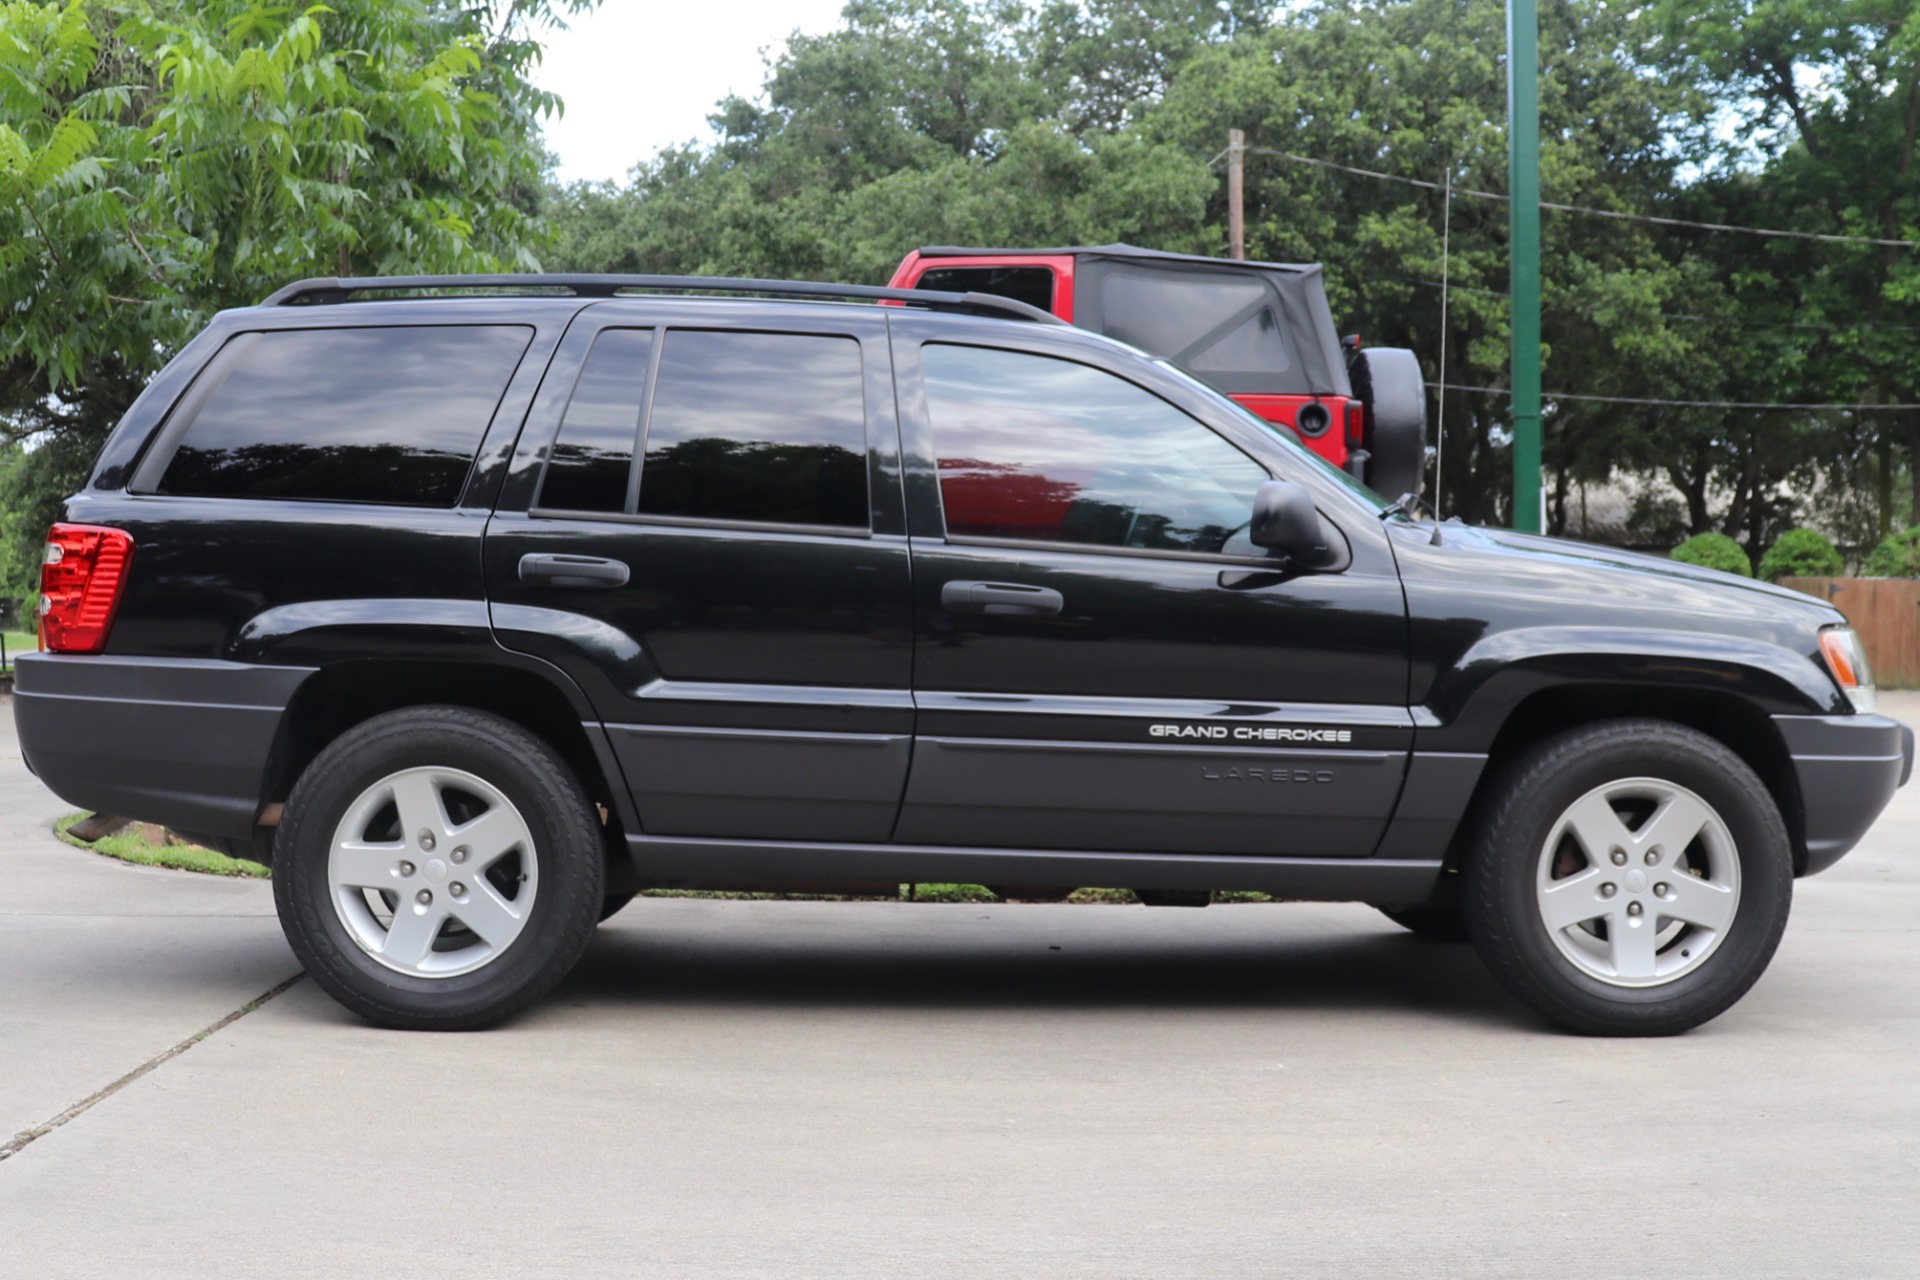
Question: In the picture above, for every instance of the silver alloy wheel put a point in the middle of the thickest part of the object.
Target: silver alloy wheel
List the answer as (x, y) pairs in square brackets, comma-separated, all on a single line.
[(423, 893), (1638, 882)]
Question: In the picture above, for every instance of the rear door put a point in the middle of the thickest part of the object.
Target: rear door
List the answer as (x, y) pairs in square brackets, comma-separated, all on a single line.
[(703, 525), (1104, 661)]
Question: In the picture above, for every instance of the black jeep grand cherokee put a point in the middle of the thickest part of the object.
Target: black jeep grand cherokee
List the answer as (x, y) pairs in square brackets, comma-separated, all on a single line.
[(477, 614)]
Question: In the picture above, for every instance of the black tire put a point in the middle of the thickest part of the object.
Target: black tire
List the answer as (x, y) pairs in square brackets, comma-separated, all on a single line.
[(1430, 924), (1388, 380), (1503, 909), (566, 841), (613, 904)]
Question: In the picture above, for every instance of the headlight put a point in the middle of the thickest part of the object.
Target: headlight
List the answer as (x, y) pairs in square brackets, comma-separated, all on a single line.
[(1846, 658)]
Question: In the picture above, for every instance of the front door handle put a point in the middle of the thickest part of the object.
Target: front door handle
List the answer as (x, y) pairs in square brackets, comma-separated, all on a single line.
[(550, 570), (1005, 599)]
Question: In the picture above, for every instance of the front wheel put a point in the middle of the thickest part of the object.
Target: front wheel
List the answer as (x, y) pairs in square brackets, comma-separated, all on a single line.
[(438, 867), (1633, 878)]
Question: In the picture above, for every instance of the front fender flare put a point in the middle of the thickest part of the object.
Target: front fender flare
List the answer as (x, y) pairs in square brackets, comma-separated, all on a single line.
[(1468, 703)]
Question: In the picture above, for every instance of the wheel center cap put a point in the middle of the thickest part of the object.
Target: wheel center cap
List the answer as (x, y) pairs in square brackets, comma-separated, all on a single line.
[(436, 870), (1636, 878)]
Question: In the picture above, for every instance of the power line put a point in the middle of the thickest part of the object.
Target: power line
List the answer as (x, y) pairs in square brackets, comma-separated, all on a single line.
[(1865, 326), (1586, 209), (1449, 189), (1678, 404)]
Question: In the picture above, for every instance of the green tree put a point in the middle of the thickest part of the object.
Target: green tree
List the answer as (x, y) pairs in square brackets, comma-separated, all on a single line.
[(1897, 556), (1416, 89), (975, 121), (1715, 551), (1801, 553), (921, 122), (163, 159), (1819, 103)]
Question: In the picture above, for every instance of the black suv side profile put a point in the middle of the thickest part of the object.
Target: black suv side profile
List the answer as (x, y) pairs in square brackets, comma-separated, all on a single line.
[(477, 605)]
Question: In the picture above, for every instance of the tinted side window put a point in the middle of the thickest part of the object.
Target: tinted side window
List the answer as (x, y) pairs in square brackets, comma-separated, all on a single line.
[(1031, 285), (593, 453), (1036, 448), (757, 426), (388, 415)]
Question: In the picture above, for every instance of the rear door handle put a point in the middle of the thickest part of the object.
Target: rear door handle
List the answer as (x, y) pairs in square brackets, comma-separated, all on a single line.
[(550, 570), (1005, 599)]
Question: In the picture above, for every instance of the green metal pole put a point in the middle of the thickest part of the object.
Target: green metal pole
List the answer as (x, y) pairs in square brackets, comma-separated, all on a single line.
[(1523, 240)]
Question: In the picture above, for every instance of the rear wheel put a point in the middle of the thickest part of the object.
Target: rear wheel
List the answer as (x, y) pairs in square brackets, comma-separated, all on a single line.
[(1633, 878), (438, 868)]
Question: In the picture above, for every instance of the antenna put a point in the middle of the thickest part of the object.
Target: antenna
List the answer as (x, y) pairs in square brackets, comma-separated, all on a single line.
[(1446, 263)]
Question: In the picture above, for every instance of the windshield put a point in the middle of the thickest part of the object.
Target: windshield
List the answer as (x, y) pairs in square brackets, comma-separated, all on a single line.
[(1289, 443)]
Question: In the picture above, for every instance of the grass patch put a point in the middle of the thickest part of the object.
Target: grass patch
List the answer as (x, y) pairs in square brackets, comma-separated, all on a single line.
[(975, 894), (905, 893), (948, 893), (735, 895), (131, 846), (17, 644)]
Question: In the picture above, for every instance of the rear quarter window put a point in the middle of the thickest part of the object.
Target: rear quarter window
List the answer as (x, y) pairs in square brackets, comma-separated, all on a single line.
[(390, 414), (589, 469)]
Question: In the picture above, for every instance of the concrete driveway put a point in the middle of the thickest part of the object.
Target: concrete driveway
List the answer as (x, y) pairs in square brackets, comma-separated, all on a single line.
[(795, 1089)]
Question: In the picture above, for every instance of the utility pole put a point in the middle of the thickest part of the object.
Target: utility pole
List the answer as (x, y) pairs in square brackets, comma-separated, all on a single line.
[(1236, 193), (1523, 246)]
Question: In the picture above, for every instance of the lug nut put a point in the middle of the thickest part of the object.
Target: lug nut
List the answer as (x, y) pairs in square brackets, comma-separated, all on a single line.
[(1619, 857), (424, 897), (406, 869), (1653, 855), (459, 853), (1634, 909), (1608, 890), (426, 841), (1660, 890), (457, 889)]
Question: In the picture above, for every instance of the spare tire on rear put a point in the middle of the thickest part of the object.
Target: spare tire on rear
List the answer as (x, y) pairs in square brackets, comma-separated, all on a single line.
[(1389, 383)]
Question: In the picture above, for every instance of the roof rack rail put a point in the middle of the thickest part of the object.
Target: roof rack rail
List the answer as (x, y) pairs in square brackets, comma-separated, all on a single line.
[(322, 290)]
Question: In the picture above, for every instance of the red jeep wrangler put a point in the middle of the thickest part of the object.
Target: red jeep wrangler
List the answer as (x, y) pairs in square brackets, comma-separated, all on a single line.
[(1260, 332)]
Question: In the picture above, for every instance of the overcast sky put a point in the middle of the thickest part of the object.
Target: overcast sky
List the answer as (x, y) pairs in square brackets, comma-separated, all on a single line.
[(639, 75)]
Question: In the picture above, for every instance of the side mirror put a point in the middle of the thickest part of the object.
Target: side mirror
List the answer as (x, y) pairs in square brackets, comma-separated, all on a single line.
[(1285, 521)]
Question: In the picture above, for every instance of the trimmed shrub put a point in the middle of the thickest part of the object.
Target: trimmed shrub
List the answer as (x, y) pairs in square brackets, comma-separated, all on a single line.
[(1801, 553), (1714, 551), (1897, 556)]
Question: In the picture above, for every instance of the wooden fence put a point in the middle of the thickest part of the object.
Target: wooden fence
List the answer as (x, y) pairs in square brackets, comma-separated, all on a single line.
[(1886, 613)]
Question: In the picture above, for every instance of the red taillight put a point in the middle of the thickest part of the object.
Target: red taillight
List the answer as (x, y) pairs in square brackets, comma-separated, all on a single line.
[(1356, 423), (82, 573)]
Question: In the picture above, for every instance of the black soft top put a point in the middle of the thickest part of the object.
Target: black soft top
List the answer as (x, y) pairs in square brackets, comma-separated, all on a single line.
[(1245, 328)]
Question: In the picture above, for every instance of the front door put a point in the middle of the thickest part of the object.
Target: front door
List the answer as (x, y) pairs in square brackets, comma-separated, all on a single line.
[(703, 527), (1103, 660)]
